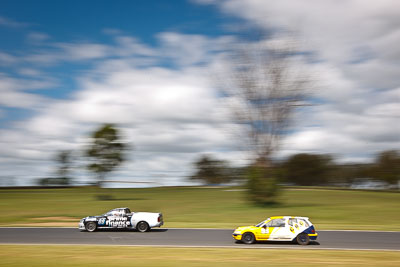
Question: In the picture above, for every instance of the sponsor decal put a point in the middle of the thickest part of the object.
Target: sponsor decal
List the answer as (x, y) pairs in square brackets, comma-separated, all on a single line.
[(116, 221), (102, 221)]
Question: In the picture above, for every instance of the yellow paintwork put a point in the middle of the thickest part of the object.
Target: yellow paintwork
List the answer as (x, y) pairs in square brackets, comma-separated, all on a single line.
[(256, 231), (261, 233)]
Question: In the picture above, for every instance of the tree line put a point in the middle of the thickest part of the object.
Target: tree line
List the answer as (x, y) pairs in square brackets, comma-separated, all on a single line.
[(302, 170), (264, 83), (103, 154)]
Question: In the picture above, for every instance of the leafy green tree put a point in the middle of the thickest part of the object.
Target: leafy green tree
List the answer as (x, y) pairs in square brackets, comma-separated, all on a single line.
[(105, 152), (263, 185), (64, 162), (349, 172), (54, 182), (308, 169), (211, 171), (388, 166)]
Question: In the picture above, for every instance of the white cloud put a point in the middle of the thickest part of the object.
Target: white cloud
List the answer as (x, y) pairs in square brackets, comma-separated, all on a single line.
[(6, 59), (37, 37), (7, 22), (168, 115), (83, 51), (30, 72), (14, 92), (356, 46), (129, 46), (191, 49), (167, 107)]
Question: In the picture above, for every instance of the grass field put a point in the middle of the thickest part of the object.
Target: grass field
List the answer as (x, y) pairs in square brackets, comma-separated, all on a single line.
[(46, 255), (202, 207)]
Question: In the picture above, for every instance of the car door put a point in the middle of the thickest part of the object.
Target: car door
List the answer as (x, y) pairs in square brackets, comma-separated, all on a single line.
[(277, 229), (264, 231), (116, 218), (125, 221), (102, 222), (260, 232), (112, 218), (296, 226)]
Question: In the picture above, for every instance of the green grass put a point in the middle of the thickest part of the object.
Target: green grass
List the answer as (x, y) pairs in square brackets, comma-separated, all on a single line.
[(203, 207), (46, 255)]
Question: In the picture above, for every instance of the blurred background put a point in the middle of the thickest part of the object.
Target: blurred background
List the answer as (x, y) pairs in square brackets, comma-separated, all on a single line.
[(257, 99), (217, 113), (199, 88)]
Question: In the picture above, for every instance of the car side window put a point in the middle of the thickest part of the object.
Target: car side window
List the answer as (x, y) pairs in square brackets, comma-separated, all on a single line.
[(304, 223), (121, 212), (110, 213), (292, 221), (114, 212), (276, 223)]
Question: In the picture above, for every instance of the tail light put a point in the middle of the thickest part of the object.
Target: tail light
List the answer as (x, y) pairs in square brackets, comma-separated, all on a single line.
[(313, 231)]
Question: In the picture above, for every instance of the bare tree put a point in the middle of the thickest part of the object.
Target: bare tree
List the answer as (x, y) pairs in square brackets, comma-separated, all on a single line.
[(64, 160), (265, 86)]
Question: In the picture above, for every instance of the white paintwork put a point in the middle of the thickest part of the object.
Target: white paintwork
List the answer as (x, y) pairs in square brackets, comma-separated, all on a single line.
[(150, 217), (123, 218), (284, 233), (267, 231)]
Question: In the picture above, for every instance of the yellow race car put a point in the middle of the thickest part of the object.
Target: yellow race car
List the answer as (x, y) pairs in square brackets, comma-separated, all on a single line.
[(278, 228)]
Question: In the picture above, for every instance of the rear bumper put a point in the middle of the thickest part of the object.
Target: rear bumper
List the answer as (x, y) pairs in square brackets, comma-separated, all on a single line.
[(313, 237), (159, 224)]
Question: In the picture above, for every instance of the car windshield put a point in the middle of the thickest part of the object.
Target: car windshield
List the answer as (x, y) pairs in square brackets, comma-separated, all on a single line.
[(108, 213), (260, 224)]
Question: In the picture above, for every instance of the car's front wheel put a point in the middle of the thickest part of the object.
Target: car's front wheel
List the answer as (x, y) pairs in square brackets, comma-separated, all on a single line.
[(91, 226), (248, 238), (303, 239), (142, 227)]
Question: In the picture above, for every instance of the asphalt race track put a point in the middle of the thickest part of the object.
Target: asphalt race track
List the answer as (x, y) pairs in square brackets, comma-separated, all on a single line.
[(365, 240)]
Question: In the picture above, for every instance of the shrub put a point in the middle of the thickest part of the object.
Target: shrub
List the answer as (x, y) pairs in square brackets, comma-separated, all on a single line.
[(263, 185)]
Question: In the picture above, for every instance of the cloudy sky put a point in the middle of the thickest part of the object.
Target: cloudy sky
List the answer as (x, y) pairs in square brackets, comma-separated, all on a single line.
[(149, 66)]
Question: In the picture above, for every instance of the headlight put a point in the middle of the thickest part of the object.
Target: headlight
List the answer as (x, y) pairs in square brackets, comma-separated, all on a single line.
[(237, 232)]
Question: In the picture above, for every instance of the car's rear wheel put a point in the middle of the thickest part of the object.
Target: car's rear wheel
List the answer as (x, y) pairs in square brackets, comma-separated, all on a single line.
[(303, 239), (142, 227), (248, 238), (91, 226)]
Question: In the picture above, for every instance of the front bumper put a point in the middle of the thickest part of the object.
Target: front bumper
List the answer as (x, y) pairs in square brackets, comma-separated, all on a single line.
[(81, 226), (237, 236)]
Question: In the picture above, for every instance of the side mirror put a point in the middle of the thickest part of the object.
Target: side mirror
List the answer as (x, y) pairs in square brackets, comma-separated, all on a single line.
[(265, 226)]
